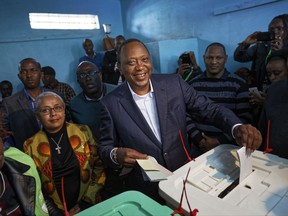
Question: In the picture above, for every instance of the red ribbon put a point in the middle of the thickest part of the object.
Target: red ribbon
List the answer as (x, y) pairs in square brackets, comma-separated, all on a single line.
[(267, 149), (179, 210), (183, 145)]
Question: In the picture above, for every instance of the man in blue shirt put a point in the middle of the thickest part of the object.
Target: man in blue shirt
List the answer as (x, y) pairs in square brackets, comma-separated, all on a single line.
[(91, 55)]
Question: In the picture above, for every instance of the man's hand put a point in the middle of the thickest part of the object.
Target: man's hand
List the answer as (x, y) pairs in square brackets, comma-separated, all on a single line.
[(256, 99), (249, 136), (208, 143), (76, 209), (193, 60), (251, 39), (183, 68), (127, 157), (277, 44)]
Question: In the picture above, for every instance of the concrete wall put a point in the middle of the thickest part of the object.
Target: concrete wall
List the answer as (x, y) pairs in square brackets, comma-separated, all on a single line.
[(167, 26)]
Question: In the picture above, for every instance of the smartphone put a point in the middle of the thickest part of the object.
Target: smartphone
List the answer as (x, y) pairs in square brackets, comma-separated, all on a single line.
[(255, 90), (186, 59), (265, 36)]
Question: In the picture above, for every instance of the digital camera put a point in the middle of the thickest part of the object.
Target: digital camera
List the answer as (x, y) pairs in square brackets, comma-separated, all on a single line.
[(265, 36), (186, 59)]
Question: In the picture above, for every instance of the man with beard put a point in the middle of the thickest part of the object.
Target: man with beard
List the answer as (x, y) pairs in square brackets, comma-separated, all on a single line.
[(85, 107)]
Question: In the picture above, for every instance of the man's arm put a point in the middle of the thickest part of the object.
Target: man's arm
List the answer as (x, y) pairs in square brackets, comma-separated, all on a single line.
[(202, 108), (245, 53)]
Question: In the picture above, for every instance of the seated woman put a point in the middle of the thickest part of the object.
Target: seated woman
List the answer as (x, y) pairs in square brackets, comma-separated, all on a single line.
[(66, 156), (20, 185)]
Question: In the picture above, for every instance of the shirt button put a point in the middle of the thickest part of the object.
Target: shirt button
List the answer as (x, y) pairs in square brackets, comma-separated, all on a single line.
[(165, 154)]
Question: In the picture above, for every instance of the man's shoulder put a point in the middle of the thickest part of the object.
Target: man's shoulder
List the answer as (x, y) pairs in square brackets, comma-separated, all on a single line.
[(279, 87), (66, 85), (237, 80), (115, 92), (77, 99), (19, 156), (110, 53), (170, 80), (237, 77), (13, 98), (165, 77), (110, 87)]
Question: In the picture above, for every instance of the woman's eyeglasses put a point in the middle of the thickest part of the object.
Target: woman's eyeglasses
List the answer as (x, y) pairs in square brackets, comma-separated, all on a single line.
[(48, 110)]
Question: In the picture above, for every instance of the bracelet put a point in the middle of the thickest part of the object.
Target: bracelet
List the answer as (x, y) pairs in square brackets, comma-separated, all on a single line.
[(113, 155)]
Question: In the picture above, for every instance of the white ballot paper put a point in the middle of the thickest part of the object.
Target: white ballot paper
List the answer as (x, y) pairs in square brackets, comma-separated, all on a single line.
[(154, 171), (245, 163)]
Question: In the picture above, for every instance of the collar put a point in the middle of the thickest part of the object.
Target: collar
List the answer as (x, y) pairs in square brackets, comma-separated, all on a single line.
[(101, 96), (94, 54), (91, 99), (224, 75), (136, 96), (28, 95)]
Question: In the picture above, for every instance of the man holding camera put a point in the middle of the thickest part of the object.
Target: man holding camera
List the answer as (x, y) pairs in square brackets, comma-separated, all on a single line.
[(266, 43), (188, 67)]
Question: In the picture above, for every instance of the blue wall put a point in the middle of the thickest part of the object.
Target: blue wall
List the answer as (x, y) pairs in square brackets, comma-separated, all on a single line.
[(58, 48), (162, 24), (225, 21)]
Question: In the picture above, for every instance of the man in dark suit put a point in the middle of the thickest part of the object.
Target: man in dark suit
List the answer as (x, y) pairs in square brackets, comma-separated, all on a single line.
[(146, 116), (18, 109)]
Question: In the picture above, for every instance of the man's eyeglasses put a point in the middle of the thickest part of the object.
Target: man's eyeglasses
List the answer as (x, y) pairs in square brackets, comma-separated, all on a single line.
[(48, 110), (86, 74)]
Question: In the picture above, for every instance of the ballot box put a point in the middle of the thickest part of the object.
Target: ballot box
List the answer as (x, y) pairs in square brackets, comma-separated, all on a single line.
[(129, 203), (213, 186)]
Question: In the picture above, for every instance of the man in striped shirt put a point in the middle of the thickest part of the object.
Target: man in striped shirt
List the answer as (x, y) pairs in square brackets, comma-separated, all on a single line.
[(224, 88)]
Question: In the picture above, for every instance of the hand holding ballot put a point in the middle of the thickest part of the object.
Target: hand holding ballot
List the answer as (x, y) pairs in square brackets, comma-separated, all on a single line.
[(248, 136), (127, 156), (154, 171)]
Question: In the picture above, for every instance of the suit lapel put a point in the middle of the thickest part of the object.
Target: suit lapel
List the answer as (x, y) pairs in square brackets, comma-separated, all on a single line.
[(161, 104), (26, 107), (135, 114)]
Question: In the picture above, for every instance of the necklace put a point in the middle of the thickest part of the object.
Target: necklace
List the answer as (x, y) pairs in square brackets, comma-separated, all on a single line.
[(58, 148)]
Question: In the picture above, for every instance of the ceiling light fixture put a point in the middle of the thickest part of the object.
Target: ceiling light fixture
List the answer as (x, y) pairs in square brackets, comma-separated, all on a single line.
[(63, 21)]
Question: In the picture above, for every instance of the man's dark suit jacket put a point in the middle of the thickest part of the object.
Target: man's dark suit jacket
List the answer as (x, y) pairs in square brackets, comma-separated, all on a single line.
[(19, 118), (123, 125)]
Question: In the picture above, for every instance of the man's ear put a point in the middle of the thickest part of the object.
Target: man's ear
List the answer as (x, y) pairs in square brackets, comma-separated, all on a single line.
[(119, 67)]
